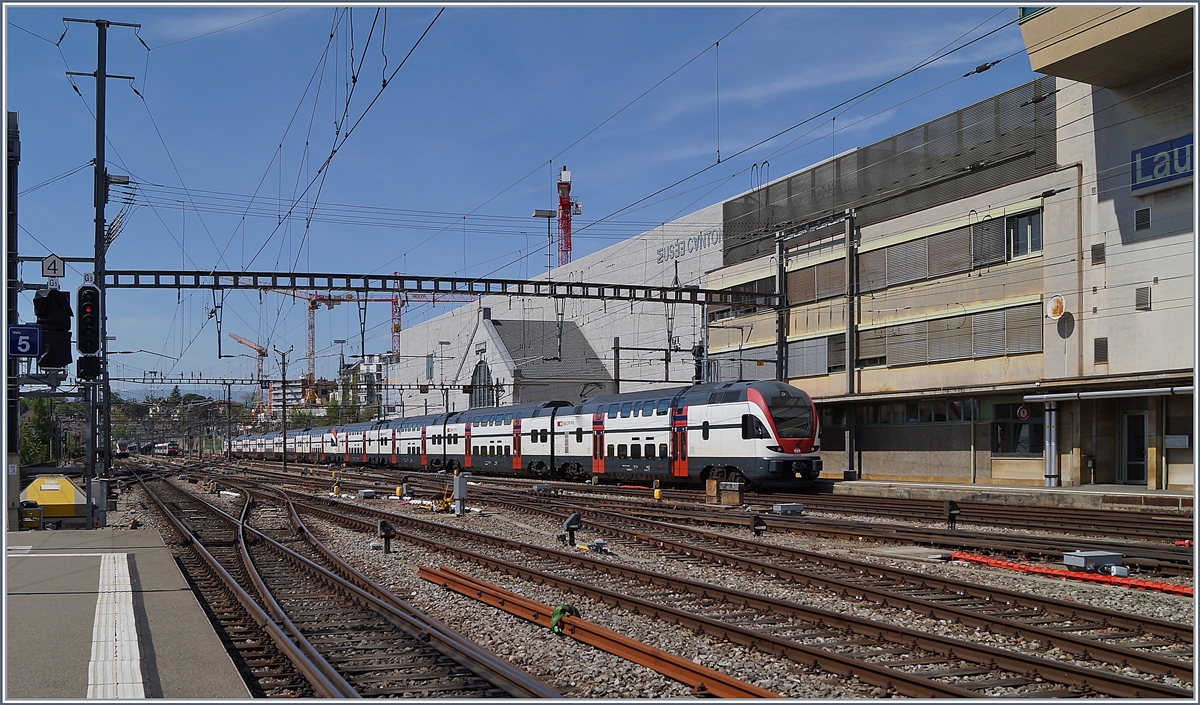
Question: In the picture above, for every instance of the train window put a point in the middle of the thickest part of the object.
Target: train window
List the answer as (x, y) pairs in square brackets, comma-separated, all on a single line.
[(637, 408), (622, 450), (635, 450), (612, 410), (520, 415), (704, 430), (600, 410), (579, 435), (626, 408), (507, 450), (508, 419), (533, 435), (610, 451), (664, 405), (753, 428), (545, 435), (649, 450), (648, 408)]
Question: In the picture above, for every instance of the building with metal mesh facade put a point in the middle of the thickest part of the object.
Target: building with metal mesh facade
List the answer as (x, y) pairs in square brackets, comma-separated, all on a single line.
[(1001, 140)]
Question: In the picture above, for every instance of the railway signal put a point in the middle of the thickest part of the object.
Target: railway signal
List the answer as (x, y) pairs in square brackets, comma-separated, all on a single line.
[(88, 298), (53, 310)]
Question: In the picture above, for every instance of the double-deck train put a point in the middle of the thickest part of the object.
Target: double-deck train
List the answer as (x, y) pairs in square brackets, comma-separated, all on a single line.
[(760, 433), (169, 448)]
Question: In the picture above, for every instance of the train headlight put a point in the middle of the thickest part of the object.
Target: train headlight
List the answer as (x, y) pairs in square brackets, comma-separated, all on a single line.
[(775, 449)]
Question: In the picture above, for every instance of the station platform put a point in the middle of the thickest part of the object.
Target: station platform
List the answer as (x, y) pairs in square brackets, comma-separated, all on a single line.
[(107, 614), (1116, 497)]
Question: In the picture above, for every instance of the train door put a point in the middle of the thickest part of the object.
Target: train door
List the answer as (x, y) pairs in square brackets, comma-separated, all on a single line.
[(394, 444), (679, 442), (516, 444), (598, 443), (424, 457), (467, 454)]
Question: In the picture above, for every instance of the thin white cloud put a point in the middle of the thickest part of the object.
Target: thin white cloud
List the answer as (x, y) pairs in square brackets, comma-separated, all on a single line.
[(177, 26)]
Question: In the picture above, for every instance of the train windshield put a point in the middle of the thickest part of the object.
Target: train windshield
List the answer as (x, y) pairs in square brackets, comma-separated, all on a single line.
[(792, 414)]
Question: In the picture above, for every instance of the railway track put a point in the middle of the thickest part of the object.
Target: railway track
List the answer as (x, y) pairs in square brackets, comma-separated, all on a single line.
[(346, 641), (1147, 526), (1141, 556), (1144, 556), (904, 661), (1151, 646)]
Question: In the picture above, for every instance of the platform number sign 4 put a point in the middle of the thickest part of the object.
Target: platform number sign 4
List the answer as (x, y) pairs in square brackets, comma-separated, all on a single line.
[(24, 341)]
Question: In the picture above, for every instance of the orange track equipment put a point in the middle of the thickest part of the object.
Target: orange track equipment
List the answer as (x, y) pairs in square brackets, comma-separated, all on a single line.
[(1074, 574), (704, 681)]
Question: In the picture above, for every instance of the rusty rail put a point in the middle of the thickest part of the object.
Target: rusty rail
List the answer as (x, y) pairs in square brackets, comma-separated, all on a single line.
[(702, 680)]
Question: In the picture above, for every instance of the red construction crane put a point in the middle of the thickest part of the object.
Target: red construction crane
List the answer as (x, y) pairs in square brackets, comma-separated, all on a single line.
[(566, 208)]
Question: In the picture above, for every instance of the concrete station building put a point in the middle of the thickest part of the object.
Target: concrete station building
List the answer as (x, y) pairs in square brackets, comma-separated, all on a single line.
[(1014, 283)]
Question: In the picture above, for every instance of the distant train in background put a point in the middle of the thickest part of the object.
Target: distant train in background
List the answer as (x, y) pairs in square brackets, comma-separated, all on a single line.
[(168, 448), (762, 433)]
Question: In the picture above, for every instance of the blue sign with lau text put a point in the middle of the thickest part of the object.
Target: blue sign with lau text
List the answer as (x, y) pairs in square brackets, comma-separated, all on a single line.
[(1160, 163), (24, 341)]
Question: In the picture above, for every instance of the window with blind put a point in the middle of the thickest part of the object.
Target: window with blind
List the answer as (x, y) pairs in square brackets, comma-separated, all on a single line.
[(1011, 331)]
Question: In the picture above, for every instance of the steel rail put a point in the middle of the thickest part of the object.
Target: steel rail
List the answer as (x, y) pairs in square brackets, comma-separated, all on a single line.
[(1165, 559), (345, 689), (909, 684), (1173, 630), (315, 676), (438, 636), (463, 651), (703, 680), (1100, 681), (1078, 645)]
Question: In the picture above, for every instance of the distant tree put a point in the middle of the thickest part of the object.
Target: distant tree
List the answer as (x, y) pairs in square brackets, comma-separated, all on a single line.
[(301, 418), (174, 397), (36, 432)]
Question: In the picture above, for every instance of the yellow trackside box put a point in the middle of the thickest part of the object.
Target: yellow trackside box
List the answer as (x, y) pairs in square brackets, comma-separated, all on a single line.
[(57, 496)]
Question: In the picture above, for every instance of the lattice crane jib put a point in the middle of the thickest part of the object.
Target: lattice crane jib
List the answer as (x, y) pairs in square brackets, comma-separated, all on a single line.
[(258, 369)]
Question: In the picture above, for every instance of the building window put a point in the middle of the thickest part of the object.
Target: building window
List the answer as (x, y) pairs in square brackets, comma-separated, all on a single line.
[(1017, 429), (1142, 298), (1141, 219), (1024, 234)]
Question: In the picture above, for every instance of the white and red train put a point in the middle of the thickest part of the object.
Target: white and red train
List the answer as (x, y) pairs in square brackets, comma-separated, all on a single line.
[(170, 448), (760, 433)]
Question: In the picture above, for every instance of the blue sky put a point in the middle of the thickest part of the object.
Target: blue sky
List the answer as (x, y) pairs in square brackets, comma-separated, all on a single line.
[(443, 170)]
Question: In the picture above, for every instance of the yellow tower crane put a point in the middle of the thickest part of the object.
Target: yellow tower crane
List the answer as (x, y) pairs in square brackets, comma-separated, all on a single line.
[(258, 370)]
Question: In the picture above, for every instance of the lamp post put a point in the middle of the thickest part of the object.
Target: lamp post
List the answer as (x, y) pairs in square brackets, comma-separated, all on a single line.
[(445, 390), (549, 215)]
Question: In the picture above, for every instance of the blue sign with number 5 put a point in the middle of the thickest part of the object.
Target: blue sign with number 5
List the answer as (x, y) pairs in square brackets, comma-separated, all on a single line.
[(24, 341)]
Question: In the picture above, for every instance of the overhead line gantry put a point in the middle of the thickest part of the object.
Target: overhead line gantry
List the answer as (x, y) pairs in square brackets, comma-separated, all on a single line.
[(410, 284)]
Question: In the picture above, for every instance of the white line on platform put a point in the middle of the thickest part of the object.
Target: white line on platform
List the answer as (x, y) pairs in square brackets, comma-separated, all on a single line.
[(115, 669)]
